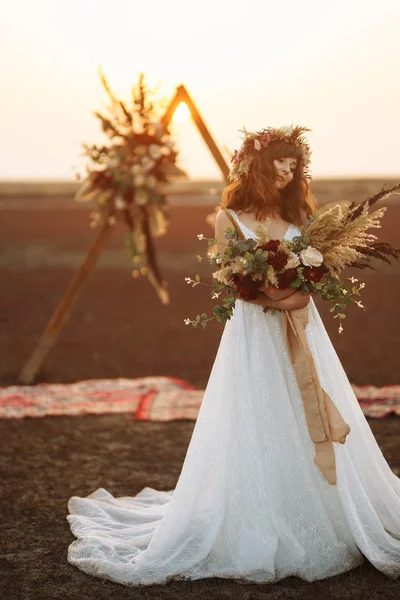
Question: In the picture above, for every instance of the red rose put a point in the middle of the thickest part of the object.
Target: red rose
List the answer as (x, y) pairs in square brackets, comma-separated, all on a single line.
[(271, 246), (314, 273), (246, 287), (278, 260), (286, 278)]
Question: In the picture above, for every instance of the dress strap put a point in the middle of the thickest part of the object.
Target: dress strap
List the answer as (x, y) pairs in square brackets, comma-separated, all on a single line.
[(234, 222)]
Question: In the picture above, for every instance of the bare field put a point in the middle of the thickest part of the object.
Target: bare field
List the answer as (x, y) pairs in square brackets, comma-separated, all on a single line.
[(119, 329), (118, 326)]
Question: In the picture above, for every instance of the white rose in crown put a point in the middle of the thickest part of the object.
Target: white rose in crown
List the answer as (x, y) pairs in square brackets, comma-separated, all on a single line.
[(311, 257), (293, 261), (286, 129)]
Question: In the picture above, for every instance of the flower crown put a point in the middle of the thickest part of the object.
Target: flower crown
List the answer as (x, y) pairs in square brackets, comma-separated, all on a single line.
[(253, 142)]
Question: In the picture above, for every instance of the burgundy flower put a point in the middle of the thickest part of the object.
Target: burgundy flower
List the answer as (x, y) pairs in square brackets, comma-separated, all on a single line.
[(271, 246), (286, 278), (314, 273), (278, 260), (246, 287)]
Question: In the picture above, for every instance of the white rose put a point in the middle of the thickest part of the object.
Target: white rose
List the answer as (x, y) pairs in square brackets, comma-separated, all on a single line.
[(154, 151), (286, 129), (257, 144), (311, 257), (139, 180), (166, 140), (293, 261), (138, 169), (113, 162), (147, 163), (120, 203)]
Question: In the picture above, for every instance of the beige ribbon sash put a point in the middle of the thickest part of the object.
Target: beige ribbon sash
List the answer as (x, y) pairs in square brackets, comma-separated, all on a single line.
[(324, 421)]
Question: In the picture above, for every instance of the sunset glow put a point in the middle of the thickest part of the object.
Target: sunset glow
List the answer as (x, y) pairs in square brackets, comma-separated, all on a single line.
[(181, 114), (332, 67)]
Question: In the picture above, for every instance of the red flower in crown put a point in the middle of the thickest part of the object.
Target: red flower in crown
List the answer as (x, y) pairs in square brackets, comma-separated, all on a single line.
[(237, 156)]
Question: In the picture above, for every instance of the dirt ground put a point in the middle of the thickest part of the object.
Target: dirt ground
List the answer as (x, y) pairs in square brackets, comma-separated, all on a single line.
[(46, 461), (119, 329)]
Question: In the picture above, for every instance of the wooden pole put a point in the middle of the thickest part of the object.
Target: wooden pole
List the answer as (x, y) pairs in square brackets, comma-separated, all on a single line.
[(182, 95), (62, 312)]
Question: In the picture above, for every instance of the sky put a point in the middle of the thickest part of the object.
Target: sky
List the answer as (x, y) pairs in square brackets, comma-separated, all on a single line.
[(331, 66)]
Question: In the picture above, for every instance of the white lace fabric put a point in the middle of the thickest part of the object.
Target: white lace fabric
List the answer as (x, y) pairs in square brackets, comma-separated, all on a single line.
[(250, 503)]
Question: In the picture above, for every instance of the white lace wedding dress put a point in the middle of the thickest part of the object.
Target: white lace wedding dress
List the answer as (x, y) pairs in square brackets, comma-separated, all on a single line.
[(250, 502)]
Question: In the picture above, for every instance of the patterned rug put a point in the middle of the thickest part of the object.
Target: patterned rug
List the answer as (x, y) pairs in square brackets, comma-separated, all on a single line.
[(146, 398)]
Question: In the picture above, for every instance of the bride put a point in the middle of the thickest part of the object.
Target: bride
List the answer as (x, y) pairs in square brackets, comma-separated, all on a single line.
[(251, 502)]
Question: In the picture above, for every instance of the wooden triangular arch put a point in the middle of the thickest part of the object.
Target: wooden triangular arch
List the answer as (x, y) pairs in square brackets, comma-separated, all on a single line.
[(64, 308)]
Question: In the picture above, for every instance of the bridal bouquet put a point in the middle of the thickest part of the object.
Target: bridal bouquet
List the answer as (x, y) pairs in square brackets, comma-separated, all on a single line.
[(312, 262)]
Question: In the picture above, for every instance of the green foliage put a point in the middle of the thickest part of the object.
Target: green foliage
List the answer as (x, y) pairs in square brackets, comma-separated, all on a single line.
[(296, 283)]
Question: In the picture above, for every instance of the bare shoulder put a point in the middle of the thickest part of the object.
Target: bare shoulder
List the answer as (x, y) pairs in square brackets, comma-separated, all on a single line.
[(222, 220), (222, 223)]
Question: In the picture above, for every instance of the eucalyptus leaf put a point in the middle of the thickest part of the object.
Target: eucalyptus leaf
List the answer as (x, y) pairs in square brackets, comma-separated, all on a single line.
[(296, 283)]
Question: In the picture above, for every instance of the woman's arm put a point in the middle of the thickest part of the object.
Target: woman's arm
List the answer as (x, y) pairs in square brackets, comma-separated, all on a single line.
[(222, 223), (292, 302), (276, 294)]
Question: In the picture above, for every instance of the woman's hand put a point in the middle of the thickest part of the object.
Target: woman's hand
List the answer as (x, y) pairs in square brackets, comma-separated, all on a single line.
[(275, 294), (292, 302)]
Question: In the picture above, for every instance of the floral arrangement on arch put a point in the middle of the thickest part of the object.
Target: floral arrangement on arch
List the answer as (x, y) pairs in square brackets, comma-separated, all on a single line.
[(126, 176)]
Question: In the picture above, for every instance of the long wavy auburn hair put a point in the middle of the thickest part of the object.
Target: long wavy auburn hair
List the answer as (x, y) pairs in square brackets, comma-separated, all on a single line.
[(257, 194)]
